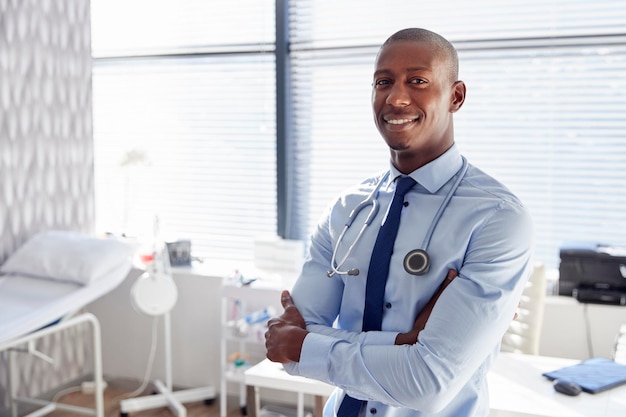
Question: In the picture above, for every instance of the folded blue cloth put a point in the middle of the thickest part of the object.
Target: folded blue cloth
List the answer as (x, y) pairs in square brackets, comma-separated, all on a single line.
[(593, 375)]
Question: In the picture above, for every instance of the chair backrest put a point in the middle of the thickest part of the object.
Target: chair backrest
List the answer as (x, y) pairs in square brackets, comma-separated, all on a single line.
[(619, 350), (524, 332)]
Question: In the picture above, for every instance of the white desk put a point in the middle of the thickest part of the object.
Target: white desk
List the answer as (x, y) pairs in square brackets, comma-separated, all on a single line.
[(517, 389), (267, 374)]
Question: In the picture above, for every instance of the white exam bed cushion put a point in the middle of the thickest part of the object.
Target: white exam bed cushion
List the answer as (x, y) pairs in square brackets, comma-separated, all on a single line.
[(29, 302), (68, 256)]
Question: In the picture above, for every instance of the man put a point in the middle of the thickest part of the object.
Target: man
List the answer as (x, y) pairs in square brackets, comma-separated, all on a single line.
[(480, 249)]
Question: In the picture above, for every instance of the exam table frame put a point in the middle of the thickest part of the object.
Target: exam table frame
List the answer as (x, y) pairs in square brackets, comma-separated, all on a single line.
[(47, 406)]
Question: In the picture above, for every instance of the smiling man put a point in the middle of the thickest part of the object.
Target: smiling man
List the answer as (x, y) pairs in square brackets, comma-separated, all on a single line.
[(415, 92), (405, 315)]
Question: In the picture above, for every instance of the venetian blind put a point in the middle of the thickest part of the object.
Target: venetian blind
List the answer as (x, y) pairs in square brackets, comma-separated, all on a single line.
[(545, 110), (184, 121)]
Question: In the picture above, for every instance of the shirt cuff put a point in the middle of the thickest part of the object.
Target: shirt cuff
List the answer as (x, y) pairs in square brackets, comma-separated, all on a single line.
[(315, 353), (314, 356), (292, 368)]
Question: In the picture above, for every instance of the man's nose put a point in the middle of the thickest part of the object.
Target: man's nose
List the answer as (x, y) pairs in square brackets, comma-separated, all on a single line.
[(399, 95)]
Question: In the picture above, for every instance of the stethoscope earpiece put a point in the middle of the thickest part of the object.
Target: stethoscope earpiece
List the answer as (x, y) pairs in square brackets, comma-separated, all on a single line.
[(417, 262)]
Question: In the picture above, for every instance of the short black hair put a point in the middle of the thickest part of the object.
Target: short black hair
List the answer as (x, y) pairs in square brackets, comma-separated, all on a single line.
[(442, 45)]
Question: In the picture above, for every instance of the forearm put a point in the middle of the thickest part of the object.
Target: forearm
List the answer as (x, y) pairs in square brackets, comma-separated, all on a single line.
[(363, 338), (412, 337), (382, 337), (420, 376), (462, 332), (464, 328)]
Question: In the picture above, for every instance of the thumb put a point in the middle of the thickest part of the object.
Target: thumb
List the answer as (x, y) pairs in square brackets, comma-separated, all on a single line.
[(286, 300)]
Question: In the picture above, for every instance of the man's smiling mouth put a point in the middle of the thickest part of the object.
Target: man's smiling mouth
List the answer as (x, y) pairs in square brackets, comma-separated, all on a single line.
[(400, 121)]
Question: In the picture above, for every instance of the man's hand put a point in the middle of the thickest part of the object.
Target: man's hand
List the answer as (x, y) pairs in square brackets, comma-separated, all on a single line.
[(410, 338), (285, 334)]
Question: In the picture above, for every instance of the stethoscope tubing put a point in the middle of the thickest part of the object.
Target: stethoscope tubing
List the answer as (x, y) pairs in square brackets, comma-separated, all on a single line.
[(372, 199), (444, 206)]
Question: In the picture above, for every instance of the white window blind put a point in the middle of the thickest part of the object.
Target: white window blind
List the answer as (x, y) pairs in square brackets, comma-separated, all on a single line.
[(545, 111), (184, 111), (184, 121), (140, 27)]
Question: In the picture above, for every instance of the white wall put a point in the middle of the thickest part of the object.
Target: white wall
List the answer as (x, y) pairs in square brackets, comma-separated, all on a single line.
[(195, 323), (46, 151), (567, 322)]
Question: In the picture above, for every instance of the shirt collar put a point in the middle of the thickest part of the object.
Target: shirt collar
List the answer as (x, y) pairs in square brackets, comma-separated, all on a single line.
[(435, 174)]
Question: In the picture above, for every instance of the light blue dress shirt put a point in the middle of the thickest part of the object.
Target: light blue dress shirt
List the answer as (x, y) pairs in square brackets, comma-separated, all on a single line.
[(485, 234)]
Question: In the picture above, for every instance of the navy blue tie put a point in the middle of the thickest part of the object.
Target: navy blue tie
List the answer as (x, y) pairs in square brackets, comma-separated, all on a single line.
[(377, 278)]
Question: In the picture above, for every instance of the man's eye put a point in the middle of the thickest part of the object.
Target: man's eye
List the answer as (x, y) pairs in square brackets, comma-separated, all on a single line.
[(417, 81), (379, 83)]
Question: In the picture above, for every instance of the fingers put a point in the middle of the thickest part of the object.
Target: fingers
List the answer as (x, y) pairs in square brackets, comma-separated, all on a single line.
[(286, 300), (517, 311), (451, 275)]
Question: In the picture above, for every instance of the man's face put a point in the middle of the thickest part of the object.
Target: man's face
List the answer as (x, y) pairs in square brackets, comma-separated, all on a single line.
[(413, 99)]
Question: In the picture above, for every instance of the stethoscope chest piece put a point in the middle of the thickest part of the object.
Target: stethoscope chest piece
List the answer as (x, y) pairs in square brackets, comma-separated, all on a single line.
[(417, 262)]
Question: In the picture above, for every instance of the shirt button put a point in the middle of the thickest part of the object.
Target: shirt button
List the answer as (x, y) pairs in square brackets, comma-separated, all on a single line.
[(373, 410), (388, 305), (405, 204)]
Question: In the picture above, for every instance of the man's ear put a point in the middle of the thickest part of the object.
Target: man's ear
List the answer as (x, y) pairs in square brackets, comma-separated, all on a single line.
[(458, 96)]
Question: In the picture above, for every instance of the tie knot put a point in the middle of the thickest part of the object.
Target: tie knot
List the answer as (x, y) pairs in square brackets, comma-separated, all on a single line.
[(403, 185)]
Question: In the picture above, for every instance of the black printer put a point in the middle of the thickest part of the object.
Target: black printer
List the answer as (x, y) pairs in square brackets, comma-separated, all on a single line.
[(593, 273)]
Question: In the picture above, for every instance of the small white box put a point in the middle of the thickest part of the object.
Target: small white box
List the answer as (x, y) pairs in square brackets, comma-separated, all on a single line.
[(277, 254)]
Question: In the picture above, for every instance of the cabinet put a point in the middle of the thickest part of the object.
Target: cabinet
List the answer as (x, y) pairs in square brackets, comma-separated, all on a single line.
[(579, 331), (243, 343)]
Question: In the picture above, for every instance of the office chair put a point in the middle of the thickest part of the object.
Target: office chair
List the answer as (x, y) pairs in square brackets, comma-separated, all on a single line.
[(524, 333)]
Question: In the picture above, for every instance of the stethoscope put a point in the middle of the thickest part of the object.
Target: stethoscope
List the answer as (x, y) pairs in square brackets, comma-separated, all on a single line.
[(417, 261)]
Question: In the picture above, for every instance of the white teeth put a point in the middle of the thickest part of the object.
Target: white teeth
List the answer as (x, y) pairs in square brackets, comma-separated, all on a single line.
[(399, 121)]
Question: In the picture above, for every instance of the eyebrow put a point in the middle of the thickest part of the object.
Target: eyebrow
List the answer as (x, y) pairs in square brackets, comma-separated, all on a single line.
[(412, 69)]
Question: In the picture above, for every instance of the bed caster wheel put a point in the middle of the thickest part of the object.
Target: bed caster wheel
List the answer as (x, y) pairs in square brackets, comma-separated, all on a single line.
[(209, 401), (244, 411)]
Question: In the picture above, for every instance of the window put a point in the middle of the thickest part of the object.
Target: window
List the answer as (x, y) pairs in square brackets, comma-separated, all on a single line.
[(544, 112), (185, 114), (184, 122)]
